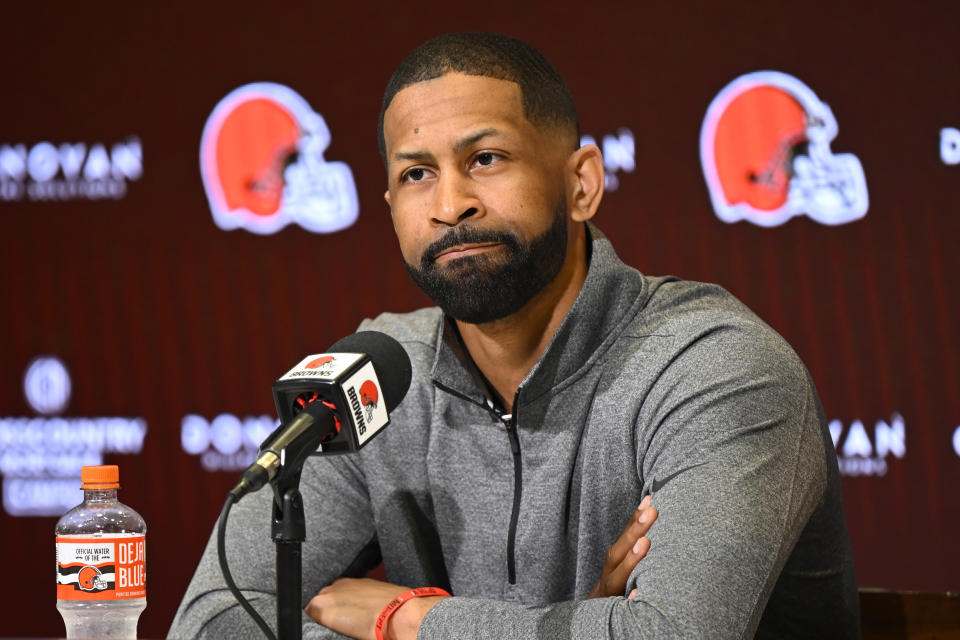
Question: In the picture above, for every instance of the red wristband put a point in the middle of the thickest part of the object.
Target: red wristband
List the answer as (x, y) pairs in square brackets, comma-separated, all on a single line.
[(394, 604)]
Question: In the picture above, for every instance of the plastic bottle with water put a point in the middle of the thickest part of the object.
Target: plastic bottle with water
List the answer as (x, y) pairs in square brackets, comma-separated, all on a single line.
[(101, 561)]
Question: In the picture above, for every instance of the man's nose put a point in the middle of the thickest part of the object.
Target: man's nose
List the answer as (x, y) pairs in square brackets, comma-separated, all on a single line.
[(456, 199)]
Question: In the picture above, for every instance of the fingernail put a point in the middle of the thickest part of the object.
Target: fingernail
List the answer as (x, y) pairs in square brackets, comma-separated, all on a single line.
[(644, 516), (636, 546)]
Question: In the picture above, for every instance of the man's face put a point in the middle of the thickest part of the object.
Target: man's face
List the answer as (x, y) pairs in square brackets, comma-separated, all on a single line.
[(477, 195)]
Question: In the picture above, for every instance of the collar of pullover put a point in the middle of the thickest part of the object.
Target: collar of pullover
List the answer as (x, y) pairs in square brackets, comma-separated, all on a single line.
[(611, 296)]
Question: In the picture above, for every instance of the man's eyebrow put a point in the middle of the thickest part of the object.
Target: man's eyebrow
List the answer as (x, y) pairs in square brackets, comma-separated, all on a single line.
[(415, 156), (469, 141), (458, 147)]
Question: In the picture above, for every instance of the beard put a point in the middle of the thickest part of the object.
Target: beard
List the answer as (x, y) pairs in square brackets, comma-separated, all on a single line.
[(495, 284)]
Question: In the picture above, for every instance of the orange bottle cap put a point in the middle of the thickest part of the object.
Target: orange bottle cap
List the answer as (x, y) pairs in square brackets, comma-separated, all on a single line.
[(105, 476)]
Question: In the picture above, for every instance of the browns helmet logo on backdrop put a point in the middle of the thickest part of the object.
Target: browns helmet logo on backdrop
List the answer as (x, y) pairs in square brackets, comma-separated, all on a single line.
[(261, 158), (765, 150)]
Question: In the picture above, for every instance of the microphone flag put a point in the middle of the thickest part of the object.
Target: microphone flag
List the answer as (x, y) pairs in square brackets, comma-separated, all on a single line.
[(345, 382)]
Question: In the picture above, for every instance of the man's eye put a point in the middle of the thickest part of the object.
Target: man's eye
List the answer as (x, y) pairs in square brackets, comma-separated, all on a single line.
[(414, 175), (486, 158)]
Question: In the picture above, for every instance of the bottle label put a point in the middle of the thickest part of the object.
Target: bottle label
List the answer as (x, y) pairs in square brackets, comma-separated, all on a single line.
[(105, 568)]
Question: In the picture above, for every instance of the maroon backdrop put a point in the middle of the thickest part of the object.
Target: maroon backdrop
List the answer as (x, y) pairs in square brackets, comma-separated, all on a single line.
[(158, 314)]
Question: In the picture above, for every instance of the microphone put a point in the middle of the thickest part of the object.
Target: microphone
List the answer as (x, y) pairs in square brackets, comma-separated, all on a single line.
[(331, 403)]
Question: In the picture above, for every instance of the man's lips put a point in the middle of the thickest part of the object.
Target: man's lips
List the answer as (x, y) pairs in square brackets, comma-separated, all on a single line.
[(463, 250)]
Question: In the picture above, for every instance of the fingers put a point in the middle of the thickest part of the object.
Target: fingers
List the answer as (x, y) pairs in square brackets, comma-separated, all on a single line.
[(636, 528), (614, 581), (631, 547), (644, 504), (315, 607), (617, 578)]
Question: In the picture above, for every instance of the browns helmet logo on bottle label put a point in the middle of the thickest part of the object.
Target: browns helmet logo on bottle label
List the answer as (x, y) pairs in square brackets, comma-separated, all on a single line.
[(108, 568)]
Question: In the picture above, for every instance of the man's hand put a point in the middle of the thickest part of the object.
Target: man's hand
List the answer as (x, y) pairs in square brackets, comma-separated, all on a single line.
[(626, 552), (350, 606)]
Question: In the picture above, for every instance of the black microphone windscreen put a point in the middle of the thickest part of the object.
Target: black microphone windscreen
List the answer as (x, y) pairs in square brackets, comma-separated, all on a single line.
[(390, 361)]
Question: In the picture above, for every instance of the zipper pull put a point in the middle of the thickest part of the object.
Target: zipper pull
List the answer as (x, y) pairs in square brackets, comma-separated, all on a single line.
[(497, 412), (507, 420)]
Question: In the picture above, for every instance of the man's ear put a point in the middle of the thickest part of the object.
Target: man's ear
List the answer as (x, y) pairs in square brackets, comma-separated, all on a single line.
[(585, 176)]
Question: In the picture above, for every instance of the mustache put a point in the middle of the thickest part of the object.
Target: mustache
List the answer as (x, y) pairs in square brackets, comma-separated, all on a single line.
[(465, 235)]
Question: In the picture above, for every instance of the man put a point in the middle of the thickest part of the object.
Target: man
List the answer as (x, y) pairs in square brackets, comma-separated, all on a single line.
[(553, 389)]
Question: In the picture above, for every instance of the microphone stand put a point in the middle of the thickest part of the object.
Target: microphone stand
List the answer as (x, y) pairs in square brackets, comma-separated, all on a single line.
[(288, 524), (288, 531)]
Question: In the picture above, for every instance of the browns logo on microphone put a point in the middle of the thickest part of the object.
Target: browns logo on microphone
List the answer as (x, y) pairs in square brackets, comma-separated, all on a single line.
[(369, 397)]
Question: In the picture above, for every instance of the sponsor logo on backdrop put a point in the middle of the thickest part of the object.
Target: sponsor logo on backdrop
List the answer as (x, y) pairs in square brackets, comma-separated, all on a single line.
[(863, 452), (262, 163), (619, 155), (46, 385), (765, 151), (226, 443), (69, 170), (950, 145), (41, 456)]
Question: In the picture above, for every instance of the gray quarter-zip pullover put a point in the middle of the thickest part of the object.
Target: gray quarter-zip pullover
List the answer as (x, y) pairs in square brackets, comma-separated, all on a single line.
[(650, 385)]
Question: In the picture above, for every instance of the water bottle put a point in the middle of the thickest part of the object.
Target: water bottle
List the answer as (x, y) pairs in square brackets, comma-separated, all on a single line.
[(101, 568)]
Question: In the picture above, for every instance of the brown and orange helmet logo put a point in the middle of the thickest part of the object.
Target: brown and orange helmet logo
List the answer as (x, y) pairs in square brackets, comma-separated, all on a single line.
[(369, 397), (765, 151), (90, 579), (320, 363), (261, 159)]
